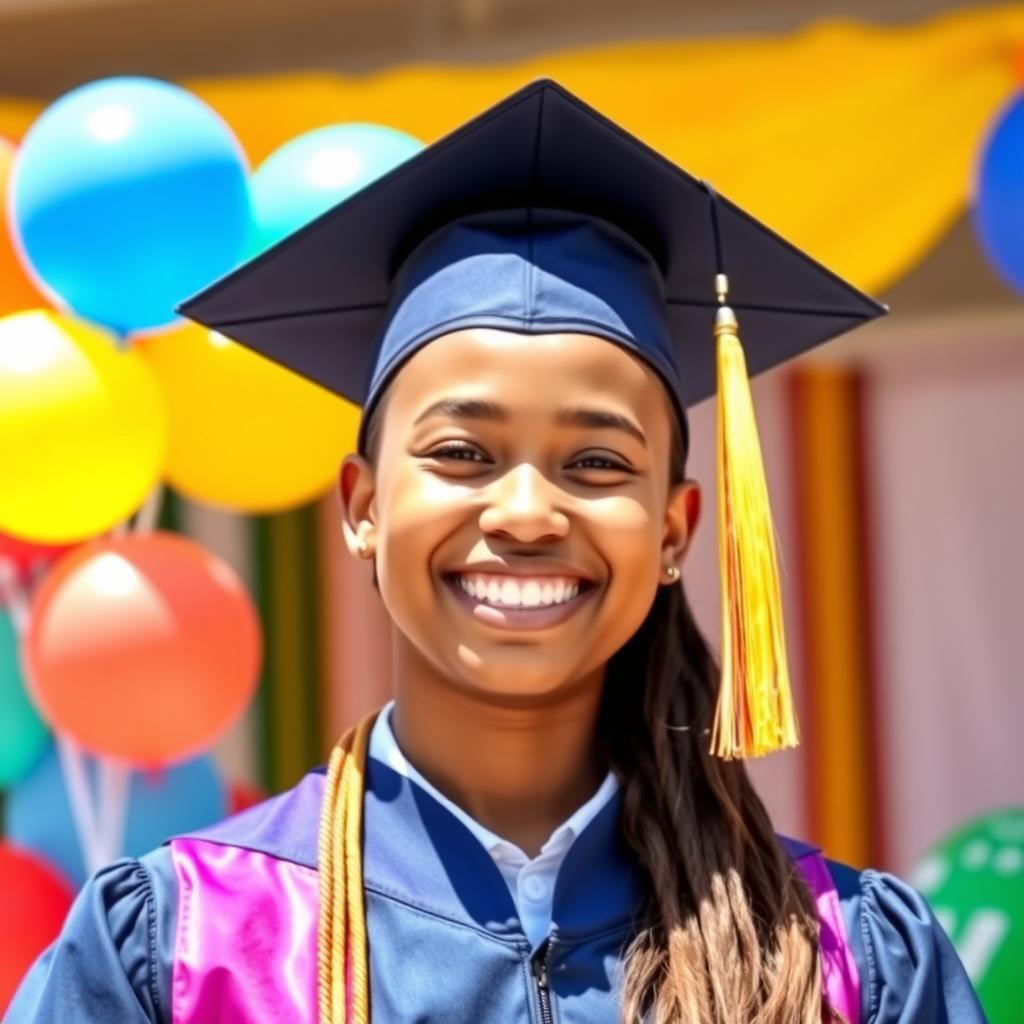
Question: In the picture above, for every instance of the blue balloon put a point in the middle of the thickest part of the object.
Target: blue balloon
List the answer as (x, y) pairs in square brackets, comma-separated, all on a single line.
[(179, 799), (999, 204), (318, 169), (128, 195)]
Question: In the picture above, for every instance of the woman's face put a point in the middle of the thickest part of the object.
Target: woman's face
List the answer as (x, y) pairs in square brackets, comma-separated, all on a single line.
[(520, 511)]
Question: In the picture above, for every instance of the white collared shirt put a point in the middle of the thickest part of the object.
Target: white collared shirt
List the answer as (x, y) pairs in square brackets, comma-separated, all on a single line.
[(530, 881)]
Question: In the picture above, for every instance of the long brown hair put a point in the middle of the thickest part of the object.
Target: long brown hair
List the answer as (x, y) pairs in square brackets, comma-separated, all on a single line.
[(729, 934), (730, 931)]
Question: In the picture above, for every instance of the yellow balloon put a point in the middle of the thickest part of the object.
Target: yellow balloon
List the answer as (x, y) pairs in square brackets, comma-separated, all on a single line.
[(243, 432), (82, 429)]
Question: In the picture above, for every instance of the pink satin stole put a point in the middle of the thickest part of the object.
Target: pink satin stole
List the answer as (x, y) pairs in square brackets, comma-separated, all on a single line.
[(838, 968), (245, 949)]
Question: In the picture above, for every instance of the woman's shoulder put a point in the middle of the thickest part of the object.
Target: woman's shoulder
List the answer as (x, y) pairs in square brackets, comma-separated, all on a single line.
[(909, 970), (112, 958)]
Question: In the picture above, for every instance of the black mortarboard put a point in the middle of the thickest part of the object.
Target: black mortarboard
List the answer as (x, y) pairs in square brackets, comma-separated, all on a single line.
[(541, 215), (320, 301)]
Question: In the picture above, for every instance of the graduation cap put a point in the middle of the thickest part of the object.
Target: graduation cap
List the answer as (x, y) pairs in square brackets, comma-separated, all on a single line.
[(542, 215)]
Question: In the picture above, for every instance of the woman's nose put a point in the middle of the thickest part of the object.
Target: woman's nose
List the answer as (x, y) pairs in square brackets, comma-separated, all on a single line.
[(524, 506)]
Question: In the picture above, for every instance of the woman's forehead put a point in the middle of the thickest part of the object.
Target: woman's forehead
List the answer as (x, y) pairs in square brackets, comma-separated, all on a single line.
[(526, 371)]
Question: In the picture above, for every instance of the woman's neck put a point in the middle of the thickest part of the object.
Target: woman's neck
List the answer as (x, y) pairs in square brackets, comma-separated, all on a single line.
[(518, 770)]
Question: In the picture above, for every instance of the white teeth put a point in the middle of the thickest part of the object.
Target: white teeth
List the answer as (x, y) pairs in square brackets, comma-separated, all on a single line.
[(508, 592)]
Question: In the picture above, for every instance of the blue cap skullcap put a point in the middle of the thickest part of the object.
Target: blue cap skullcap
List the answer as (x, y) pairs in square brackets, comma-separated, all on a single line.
[(534, 271)]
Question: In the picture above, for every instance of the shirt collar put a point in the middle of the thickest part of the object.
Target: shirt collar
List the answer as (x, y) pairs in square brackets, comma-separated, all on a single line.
[(384, 748)]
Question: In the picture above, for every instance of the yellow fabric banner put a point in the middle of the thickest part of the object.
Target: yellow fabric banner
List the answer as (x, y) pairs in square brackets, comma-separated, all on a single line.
[(857, 142)]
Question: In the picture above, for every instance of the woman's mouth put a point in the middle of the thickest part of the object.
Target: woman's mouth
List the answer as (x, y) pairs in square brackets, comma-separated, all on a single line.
[(519, 602)]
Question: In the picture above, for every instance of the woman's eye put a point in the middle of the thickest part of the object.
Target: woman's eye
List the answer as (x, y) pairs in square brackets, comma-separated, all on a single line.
[(600, 462), (460, 452)]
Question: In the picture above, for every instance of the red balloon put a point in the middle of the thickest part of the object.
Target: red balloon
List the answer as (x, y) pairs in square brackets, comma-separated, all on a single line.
[(243, 795), (26, 556), (35, 900), (143, 647)]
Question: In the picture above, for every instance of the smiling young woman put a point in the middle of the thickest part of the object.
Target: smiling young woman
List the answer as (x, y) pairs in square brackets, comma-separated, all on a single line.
[(552, 819), (520, 524)]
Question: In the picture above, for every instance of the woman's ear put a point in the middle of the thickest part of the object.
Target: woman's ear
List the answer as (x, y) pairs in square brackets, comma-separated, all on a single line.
[(681, 516), (357, 487)]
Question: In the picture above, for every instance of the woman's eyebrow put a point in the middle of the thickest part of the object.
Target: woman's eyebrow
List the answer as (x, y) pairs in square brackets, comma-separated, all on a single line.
[(464, 409), (600, 419), (577, 416)]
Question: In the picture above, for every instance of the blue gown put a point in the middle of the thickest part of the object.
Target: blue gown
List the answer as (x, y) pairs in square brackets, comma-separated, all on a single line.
[(113, 960)]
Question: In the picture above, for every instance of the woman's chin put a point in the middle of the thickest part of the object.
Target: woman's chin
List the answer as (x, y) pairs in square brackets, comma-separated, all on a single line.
[(514, 679)]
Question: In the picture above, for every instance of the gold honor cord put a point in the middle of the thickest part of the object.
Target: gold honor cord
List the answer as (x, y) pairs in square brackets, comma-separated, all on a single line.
[(343, 980)]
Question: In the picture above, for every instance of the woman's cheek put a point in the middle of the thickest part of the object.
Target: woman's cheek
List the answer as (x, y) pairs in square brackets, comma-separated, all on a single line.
[(625, 528), (425, 497), (630, 540), (410, 500), (418, 514)]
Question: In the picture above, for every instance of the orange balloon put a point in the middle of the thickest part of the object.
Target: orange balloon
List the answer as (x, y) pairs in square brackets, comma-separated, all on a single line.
[(143, 647), (35, 900), (17, 291)]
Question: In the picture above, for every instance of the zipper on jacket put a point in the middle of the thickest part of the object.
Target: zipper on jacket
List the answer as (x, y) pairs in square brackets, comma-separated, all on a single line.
[(539, 963)]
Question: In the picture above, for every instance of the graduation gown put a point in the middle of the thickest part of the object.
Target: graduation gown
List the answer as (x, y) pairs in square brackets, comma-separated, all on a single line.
[(445, 943)]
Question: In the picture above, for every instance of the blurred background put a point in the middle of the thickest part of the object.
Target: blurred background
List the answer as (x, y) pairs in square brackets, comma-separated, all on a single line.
[(884, 138)]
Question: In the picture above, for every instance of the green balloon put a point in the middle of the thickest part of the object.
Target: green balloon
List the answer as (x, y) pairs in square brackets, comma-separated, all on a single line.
[(974, 881), (23, 736)]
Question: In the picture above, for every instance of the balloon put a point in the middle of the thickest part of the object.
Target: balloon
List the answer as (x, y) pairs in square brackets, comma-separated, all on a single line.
[(35, 902), (999, 202), (243, 795), (974, 880), (318, 169), (243, 432), (82, 429), (26, 557), (16, 288), (160, 805), (144, 647), (22, 733), (129, 194)]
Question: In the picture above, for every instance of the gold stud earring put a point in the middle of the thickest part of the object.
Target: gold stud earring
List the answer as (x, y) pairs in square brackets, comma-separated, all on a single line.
[(672, 572)]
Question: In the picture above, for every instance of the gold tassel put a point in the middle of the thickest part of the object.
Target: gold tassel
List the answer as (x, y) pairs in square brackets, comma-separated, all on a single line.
[(755, 713), (343, 983)]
